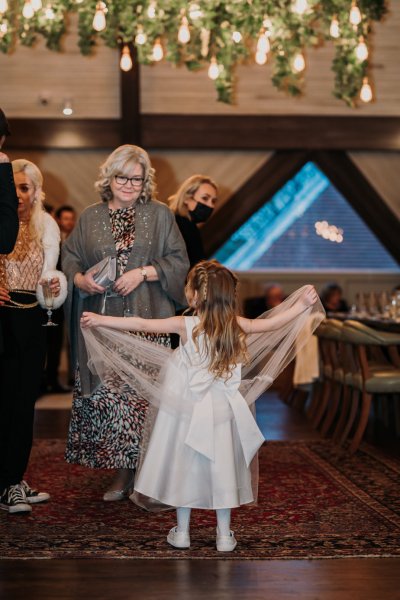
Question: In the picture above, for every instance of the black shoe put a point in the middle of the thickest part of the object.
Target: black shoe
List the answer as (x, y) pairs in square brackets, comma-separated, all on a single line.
[(33, 496), (14, 500)]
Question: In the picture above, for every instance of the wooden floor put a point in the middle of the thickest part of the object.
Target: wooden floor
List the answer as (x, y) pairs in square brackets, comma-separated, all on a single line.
[(341, 579)]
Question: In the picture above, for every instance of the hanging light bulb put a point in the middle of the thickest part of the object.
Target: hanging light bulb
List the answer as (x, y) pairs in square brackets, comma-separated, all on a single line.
[(49, 13), (261, 58), (158, 51), (126, 63), (361, 50), (67, 108), (355, 14), (366, 91), (237, 37), (3, 6), (184, 33), (99, 20), (263, 44), (36, 4), (27, 11), (300, 7), (213, 69), (151, 11), (334, 28), (141, 37), (3, 29), (299, 64), (195, 11)]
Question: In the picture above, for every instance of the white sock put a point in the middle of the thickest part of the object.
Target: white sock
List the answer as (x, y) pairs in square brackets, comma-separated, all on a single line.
[(183, 519), (224, 520)]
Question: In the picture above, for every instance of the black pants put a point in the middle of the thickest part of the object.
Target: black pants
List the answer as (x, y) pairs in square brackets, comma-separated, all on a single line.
[(21, 366)]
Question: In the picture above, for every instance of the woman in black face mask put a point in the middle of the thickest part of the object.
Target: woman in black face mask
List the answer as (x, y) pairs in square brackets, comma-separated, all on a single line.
[(192, 204)]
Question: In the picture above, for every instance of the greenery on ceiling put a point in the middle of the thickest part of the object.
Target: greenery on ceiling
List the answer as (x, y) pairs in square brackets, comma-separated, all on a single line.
[(225, 33)]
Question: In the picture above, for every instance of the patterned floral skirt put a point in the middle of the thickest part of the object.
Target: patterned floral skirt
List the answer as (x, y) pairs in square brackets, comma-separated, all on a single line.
[(106, 428)]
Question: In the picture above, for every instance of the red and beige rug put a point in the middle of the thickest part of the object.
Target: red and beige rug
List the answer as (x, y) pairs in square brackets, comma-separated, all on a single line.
[(312, 504)]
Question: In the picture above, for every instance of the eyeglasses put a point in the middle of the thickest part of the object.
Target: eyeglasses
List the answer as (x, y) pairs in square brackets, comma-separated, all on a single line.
[(134, 181)]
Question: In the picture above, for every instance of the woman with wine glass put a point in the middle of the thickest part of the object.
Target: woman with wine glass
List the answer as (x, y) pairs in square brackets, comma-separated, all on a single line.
[(22, 273)]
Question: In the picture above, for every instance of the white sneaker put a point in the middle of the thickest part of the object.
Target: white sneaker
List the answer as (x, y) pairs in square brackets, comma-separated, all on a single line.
[(226, 543), (178, 539), (33, 496)]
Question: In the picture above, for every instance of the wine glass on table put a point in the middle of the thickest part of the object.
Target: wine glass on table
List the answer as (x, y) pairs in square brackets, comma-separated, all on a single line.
[(48, 296)]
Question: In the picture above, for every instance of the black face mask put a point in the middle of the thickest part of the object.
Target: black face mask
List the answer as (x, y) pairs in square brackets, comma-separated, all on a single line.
[(201, 213)]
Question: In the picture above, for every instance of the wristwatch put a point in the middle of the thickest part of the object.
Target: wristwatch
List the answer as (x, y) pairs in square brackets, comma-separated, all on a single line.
[(143, 273)]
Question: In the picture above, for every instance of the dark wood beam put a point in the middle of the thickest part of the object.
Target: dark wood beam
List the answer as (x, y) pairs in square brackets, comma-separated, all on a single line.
[(288, 132), (364, 198), (206, 132), (130, 102), (250, 197)]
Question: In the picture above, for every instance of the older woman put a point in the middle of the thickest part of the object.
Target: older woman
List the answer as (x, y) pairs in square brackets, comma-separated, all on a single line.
[(142, 234), (33, 260), (193, 203)]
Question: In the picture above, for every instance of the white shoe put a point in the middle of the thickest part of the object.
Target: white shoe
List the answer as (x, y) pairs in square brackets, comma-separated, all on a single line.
[(178, 539), (226, 543)]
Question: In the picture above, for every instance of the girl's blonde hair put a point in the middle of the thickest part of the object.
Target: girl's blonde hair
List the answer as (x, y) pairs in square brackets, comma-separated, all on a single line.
[(186, 191), (216, 306), (120, 162), (36, 222)]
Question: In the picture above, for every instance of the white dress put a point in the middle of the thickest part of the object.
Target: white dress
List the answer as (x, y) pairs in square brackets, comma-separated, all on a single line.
[(202, 443)]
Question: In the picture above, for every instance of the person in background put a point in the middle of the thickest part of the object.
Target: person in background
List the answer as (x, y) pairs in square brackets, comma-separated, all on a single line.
[(66, 218), (192, 204), (332, 299), (9, 223), (273, 296), (32, 261), (141, 233)]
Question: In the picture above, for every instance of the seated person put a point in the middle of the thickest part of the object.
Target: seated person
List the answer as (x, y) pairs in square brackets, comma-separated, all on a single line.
[(332, 299), (273, 295)]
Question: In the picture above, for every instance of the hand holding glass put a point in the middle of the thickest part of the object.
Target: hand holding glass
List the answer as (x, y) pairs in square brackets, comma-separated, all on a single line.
[(48, 296)]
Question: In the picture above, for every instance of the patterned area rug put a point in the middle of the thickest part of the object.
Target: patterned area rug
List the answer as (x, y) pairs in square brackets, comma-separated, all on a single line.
[(312, 504)]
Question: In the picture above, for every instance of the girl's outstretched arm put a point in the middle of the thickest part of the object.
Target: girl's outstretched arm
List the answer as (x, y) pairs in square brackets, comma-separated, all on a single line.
[(309, 298), (169, 325)]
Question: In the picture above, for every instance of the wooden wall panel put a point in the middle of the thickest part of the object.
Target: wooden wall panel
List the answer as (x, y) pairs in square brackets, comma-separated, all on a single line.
[(69, 175), (91, 82), (382, 171), (167, 89)]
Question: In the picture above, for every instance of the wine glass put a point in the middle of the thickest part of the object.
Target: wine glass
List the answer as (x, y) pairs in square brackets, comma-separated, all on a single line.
[(49, 302)]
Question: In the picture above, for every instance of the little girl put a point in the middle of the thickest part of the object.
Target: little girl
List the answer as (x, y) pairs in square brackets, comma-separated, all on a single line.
[(199, 445)]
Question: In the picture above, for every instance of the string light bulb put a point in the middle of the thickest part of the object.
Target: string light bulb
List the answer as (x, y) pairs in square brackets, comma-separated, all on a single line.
[(299, 64), (213, 69), (195, 11), (141, 37), (300, 7), (237, 37), (334, 29), (49, 13), (126, 63), (36, 4), (28, 11), (361, 50), (99, 20), (366, 91), (158, 52), (3, 29), (184, 33), (263, 44), (151, 11), (3, 6), (355, 14)]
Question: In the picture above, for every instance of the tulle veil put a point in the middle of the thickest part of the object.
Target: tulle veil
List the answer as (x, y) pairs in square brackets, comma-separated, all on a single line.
[(145, 366)]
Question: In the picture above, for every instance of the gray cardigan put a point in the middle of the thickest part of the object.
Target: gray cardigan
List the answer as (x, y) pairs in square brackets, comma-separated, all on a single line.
[(158, 242)]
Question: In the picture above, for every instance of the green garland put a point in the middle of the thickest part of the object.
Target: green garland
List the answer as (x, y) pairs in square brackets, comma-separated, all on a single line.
[(210, 34)]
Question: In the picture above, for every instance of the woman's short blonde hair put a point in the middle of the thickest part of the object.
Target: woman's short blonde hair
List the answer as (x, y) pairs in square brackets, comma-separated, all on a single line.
[(188, 188), (36, 177), (120, 162)]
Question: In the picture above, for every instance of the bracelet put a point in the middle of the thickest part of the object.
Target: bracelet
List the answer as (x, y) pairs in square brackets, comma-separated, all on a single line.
[(143, 273)]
